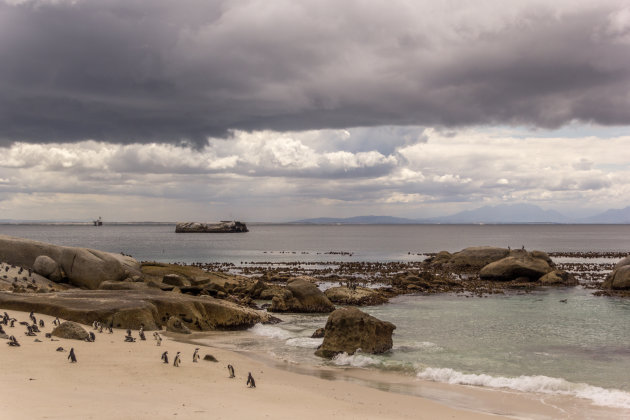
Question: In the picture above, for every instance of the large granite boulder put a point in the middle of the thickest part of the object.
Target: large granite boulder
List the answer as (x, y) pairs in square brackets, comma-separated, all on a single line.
[(132, 308), (360, 296), (523, 266), (349, 329), (83, 267), (474, 258), (71, 330), (47, 267), (301, 295), (620, 277)]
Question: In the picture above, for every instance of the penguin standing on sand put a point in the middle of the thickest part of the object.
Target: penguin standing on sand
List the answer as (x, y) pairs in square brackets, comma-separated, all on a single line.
[(196, 355), (231, 370), (165, 357), (41, 323), (71, 356), (250, 381), (177, 360), (32, 316), (141, 332)]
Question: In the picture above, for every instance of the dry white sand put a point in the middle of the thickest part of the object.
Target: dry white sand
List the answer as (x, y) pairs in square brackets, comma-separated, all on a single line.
[(113, 379)]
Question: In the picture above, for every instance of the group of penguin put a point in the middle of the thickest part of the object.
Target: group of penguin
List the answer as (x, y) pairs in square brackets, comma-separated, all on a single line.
[(251, 383), (33, 328)]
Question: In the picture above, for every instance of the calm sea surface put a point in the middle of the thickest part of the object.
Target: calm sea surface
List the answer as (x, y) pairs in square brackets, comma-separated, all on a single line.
[(529, 342)]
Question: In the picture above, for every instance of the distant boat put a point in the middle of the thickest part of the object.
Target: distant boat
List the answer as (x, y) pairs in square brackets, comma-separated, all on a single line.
[(98, 222)]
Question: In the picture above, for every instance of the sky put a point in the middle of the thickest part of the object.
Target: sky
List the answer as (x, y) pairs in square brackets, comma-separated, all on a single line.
[(279, 110)]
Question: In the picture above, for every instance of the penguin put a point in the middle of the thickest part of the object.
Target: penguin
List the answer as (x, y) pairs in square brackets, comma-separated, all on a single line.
[(177, 360), (13, 342), (141, 333), (109, 330), (92, 337), (12, 322), (231, 370), (165, 357), (41, 323), (250, 381), (34, 328), (196, 355), (71, 356), (159, 341), (100, 328), (32, 316)]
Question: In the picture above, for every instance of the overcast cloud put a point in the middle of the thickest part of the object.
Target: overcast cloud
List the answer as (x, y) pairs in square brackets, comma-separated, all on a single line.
[(290, 109), (128, 71)]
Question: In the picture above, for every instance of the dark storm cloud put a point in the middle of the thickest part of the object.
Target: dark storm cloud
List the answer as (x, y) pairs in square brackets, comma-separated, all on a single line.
[(161, 71)]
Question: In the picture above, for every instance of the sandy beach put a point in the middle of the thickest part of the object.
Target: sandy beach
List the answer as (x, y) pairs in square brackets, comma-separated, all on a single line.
[(115, 379)]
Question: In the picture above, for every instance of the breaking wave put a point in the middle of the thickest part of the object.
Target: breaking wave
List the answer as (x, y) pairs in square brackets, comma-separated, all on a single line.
[(355, 360), (270, 331), (305, 342), (541, 384)]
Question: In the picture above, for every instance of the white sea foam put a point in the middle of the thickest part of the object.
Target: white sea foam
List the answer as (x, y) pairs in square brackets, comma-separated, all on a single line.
[(355, 360), (305, 342), (541, 384), (270, 331), (425, 346)]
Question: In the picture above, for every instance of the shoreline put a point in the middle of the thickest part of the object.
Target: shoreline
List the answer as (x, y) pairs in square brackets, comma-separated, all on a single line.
[(114, 379), (506, 402)]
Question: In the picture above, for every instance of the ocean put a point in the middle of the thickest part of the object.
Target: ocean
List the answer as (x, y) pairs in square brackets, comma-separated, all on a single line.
[(532, 342)]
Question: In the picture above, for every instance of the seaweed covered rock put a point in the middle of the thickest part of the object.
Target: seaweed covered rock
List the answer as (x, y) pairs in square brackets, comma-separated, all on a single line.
[(360, 296), (349, 329)]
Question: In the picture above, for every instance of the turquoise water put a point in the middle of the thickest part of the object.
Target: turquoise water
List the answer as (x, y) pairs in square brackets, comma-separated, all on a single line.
[(528, 342)]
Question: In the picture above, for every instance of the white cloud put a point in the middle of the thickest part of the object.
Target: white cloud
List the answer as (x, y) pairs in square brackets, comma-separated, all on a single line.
[(282, 176)]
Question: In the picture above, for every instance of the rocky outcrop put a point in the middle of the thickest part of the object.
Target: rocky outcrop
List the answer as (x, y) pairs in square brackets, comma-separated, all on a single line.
[(359, 296), (175, 280), (301, 296), (82, 267), (474, 258), (619, 279), (222, 227), (132, 308), (71, 330), (349, 329), (524, 266), (174, 324)]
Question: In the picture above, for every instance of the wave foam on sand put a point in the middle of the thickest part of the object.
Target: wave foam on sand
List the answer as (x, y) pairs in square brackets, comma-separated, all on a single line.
[(539, 384)]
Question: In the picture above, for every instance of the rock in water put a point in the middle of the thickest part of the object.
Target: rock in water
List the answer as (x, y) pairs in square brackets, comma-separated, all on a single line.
[(619, 279), (359, 296), (511, 268), (474, 258), (72, 330), (349, 329), (301, 296), (222, 227)]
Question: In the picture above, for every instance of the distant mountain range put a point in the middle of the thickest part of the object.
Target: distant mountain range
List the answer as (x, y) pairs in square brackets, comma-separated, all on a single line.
[(501, 214)]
